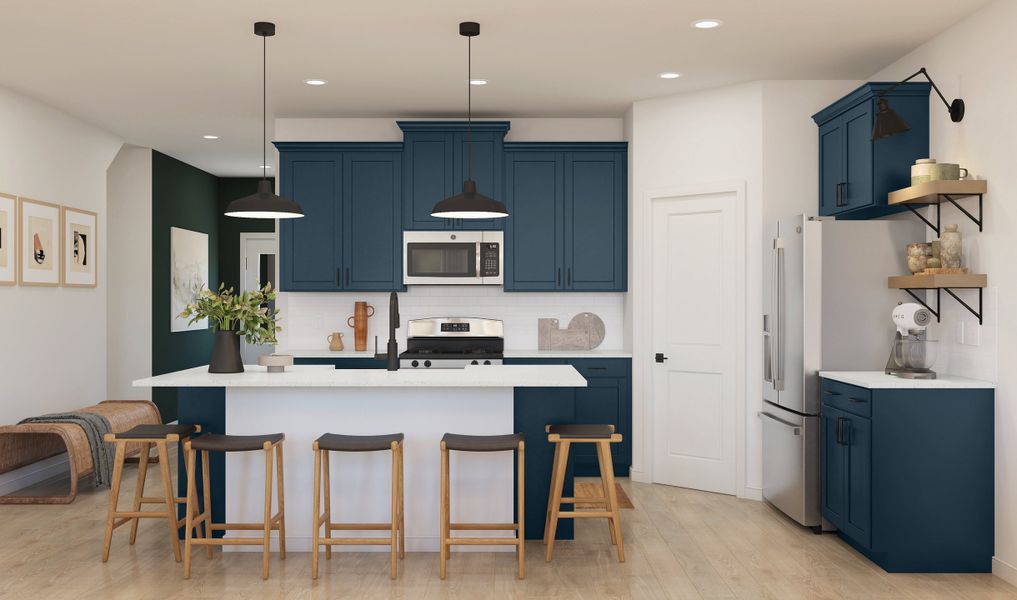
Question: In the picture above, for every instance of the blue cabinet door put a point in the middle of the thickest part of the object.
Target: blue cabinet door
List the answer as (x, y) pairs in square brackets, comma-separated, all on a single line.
[(603, 401), (857, 442), (595, 221), (309, 248), (534, 245), (858, 191), (487, 172), (372, 235), (831, 166), (428, 176), (833, 465)]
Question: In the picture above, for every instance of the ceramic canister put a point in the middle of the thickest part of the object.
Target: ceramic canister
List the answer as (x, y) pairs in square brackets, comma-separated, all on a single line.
[(949, 171), (950, 247), (921, 171)]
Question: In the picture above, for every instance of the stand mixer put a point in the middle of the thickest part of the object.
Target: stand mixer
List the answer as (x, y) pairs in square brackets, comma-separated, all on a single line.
[(912, 353)]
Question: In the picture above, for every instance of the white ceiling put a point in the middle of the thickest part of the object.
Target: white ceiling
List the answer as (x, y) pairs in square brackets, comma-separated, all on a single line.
[(163, 73)]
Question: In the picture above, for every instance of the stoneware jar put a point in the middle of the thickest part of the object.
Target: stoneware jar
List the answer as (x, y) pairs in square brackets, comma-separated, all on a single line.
[(950, 247), (921, 171), (918, 255)]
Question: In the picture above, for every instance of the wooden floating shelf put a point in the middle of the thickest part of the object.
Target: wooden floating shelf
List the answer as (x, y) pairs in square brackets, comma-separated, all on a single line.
[(932, 192), (941, 280)]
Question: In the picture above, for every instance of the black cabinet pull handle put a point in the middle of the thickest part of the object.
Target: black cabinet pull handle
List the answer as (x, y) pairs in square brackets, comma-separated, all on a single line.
[(830, 393), (338, 277), (596, 368), (568, 277), (347, 275), (853, 399), (840, 430), (557, 279)]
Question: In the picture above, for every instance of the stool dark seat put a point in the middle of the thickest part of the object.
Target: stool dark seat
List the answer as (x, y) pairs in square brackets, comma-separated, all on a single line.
[(157, 431), (358, 443), (216, 442), (512, 442), (482, 443), (575, 431)]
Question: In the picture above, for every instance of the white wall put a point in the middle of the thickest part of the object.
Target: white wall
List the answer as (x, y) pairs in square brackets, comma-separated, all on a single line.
[(129, 273), (972, 60), (53, 355), (759, 133)]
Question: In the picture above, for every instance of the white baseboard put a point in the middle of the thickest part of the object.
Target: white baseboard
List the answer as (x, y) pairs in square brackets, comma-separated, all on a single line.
[(751, 493), (34, 473), (639, 476), (413, 544), (1004, 570)]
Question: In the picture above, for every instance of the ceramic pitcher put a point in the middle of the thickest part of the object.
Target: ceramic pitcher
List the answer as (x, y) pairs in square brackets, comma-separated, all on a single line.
[(335, 341)]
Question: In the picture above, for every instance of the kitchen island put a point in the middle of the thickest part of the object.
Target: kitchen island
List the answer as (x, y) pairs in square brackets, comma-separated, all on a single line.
[(307, 401)]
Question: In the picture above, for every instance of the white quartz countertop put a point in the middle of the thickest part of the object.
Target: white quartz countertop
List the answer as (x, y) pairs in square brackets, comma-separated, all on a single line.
[(483, 376), (596, 353), (877, 380)]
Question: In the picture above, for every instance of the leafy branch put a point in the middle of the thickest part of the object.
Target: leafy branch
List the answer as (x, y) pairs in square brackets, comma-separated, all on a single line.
[(247, 314)]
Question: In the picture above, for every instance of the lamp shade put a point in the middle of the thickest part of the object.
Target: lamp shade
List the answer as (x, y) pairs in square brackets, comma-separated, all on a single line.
[(469, 205), (888, 122), (264, 204)]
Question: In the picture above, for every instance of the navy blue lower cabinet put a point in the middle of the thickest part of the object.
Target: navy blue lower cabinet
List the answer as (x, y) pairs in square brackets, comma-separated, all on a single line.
[(908, 475)]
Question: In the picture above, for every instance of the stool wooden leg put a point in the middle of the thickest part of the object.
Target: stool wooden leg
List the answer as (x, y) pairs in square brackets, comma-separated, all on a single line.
[(550, 493), (139, 488), (326, 483), (521, 513), (114, 497), (268, 511), (605, 492), (443, 532), (171, 504), (189, 510), (394, 524), (206, 503), (607, 474), (402, 498), (559, 483), (281, 500), (317, 512)]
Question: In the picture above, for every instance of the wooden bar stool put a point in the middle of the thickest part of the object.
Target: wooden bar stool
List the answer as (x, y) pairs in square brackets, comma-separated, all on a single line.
[(482, 443), (563, 436), (148, 436), (211, 442)]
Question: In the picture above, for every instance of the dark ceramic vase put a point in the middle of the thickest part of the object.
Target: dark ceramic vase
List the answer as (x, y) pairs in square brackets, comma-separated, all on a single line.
[(226, 353)]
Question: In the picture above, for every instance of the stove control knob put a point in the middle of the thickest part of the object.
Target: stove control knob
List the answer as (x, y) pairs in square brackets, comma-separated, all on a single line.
[(427, 363), (474, 362), (414, 364), (487, 362)]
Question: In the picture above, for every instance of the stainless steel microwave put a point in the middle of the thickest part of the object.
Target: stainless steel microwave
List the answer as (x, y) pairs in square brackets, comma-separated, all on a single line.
[(453, 257)]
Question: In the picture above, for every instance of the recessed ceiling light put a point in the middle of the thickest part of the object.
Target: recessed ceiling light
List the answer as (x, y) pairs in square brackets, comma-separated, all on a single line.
[(315, 81), (210, 137), (707, 23), (670, 75), (478, 82)]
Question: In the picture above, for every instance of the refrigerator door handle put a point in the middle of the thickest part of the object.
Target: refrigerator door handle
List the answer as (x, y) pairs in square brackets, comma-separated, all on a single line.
[(767, 350), (795, 429), (780, 309)]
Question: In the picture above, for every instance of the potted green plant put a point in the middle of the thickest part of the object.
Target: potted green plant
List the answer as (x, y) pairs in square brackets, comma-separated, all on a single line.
[(232, 316)]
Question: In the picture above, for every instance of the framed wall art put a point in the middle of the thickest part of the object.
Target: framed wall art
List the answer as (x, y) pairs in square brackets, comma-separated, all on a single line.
[(80, 248), (8, 239), (188, 274), (39, 242)]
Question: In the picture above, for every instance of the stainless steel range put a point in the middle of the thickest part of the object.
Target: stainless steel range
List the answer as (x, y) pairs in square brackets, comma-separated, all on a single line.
[(452, 343)]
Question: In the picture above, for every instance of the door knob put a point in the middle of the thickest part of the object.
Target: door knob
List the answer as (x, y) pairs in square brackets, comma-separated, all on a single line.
[(659, 357)]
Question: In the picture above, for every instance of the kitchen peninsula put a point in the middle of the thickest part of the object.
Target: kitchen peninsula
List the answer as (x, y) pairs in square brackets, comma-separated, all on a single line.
[(309, 400)]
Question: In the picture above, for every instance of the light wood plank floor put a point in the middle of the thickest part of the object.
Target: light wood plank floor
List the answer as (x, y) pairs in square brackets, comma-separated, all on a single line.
[(680, 544)]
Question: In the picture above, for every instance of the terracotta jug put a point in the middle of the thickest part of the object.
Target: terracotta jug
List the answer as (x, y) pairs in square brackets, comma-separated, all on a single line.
[(335, 341), (361, 312)]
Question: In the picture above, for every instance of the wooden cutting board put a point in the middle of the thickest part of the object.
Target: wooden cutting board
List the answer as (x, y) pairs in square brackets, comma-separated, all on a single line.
[(592, 324)]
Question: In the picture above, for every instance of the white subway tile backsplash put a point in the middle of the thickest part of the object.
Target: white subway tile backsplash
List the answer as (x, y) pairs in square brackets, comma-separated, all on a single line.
[(308, 317)]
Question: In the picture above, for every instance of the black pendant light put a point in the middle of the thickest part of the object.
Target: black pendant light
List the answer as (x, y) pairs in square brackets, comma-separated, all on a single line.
[(470, 204), (264, 204), (888, 122)]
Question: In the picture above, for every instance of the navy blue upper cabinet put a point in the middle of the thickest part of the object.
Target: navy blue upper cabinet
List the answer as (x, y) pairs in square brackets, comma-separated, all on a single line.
[(855, 172), (568, 201), (350, 237), (435, 166)]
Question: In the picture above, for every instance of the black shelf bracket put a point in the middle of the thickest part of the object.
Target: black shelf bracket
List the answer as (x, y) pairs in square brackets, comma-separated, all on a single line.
[(952, 199), (935, 311)]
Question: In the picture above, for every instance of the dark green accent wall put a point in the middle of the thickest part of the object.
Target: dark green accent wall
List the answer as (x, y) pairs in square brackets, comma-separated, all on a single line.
[(186, 197), (230, 228)]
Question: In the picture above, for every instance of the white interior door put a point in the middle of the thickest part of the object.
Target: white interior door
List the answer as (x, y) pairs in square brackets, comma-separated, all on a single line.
[(698, 326), (257, 268)]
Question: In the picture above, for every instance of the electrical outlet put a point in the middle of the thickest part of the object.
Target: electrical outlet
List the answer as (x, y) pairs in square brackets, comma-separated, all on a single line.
[(971, 334)]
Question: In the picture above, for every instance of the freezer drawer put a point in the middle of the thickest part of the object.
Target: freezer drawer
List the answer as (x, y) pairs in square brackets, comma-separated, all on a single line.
[(791, 458)]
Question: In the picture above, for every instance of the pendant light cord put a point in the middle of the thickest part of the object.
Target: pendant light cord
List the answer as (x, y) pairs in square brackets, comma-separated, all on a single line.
[(264, 107), (469, 107)]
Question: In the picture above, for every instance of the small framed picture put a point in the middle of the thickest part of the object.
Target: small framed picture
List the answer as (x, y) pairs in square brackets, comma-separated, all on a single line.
[(39, 241), (80, 248), (8, 241)]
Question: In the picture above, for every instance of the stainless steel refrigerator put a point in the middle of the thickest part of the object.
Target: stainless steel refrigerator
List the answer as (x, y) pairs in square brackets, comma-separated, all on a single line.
[(826, 306)]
